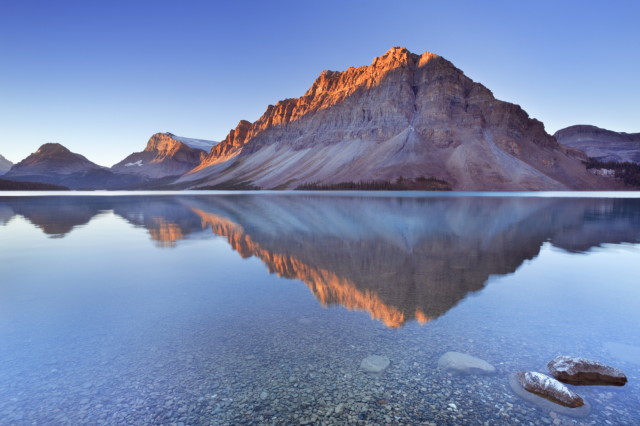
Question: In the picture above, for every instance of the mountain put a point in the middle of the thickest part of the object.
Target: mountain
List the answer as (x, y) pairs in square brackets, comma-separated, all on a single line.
[(404, 115), (601, 144), (52, 159), (5, 165), (54, 164), (165, 155)]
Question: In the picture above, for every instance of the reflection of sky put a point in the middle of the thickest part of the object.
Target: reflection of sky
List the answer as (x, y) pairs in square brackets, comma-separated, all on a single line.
[(570, 295)]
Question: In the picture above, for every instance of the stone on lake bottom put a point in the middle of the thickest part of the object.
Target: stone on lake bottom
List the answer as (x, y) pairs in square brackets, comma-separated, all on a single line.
[(304, 321), (458, 363), (549, 388), (375, 364), (264, 395), (583, 372), (545, 404), (624, 352)]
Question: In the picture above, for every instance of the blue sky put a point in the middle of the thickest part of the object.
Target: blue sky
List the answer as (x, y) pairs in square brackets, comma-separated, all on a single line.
[(101, 77)]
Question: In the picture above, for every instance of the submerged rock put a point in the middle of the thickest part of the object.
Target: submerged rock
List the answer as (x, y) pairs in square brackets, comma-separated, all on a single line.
[(304, 321), (546, 404), (549, 388), (583, 372), (375, 364), (459, 363)]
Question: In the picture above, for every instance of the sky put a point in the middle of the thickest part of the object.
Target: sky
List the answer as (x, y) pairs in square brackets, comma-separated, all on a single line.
[(101, 77)]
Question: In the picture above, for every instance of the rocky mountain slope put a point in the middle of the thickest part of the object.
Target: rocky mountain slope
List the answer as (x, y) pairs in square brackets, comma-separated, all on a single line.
[(53, 163), (404, 115), (604, 145), (5, 165), (164, 155)]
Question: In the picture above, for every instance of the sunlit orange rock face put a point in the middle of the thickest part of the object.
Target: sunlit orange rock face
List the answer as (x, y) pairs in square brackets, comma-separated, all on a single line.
[(163, 156), (404, 115)]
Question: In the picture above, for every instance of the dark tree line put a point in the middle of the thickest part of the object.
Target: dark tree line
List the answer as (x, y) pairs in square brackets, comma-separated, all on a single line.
[(401, 184), (11, 185), (627, 172)]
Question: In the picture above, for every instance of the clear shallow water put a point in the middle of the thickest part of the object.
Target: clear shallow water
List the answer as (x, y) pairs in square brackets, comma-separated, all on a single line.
[(259, 308)]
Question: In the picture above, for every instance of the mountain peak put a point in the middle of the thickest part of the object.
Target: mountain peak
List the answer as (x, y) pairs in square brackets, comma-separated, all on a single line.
[(165, 155), (51, 148)]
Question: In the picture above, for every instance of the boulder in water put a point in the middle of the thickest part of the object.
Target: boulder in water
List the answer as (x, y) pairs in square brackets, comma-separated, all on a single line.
[(549, 388), (546, 404), (460, 364), (375, 364), (583, 372)]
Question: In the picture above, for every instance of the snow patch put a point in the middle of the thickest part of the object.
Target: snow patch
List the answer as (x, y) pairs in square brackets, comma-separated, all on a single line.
[(195, 143), (137, 163)]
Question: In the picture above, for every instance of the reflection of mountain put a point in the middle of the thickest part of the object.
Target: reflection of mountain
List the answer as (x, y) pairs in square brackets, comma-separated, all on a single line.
[(403, 259), (56, 216), (165, 218), (397, 258)]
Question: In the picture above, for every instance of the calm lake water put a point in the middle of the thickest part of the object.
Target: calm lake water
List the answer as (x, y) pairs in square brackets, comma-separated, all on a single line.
[(257, 309)]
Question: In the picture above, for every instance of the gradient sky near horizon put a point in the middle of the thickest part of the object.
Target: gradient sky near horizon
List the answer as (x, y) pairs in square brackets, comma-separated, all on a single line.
[(102, 77)]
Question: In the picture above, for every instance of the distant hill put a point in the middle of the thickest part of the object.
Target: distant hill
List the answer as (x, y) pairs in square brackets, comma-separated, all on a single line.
[(165, 155), (601, 144), (5, 165), (10, 185), (52, 159), (54, 164)]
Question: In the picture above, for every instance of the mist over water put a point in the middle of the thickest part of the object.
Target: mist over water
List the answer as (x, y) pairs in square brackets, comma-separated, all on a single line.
[(259, 308)]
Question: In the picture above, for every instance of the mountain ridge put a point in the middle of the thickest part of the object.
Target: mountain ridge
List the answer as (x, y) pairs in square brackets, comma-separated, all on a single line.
[(601, 144), (404, 115), (55, 164)]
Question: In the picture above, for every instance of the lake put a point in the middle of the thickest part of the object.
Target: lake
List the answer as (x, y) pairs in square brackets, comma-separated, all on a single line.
[(258, 308)]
